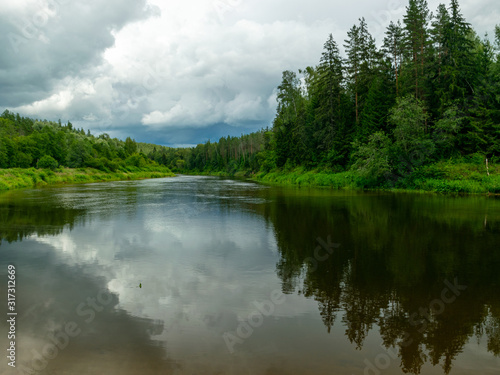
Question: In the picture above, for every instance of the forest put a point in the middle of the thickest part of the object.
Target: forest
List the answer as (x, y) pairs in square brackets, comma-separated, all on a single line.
[(420, 111), (424, 105), (26, 143), (63, 154)]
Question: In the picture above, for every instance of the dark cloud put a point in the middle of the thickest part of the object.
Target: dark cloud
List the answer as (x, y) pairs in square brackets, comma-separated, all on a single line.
[(45, 42)]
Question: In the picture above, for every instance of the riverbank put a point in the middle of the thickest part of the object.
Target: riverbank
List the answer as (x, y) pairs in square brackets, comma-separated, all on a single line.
[(18, 178), (441, 177)]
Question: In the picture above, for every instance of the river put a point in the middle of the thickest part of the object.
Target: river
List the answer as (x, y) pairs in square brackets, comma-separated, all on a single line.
[(205, 275)]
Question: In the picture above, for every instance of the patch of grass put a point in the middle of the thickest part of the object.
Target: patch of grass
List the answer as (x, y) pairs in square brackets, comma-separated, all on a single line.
[(300, 177), (18, 178), (455, 177)]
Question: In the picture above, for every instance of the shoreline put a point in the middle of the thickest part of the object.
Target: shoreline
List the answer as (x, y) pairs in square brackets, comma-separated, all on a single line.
[(20, 178), (488, 186)]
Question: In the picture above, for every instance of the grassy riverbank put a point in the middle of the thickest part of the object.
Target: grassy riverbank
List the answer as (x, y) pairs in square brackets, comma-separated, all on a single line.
[(463, 177), (442, 177), (17, 178)]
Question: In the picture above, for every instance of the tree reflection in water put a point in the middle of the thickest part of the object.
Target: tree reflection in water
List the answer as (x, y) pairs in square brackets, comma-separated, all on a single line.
[(396, 253)]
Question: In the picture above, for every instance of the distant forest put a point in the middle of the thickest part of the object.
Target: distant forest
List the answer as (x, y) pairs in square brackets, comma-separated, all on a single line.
[(430, 93)]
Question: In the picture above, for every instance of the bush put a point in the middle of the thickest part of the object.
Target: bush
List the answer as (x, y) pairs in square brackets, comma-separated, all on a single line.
[(136, 160), (47, 162), (103, 164), (372, 159)]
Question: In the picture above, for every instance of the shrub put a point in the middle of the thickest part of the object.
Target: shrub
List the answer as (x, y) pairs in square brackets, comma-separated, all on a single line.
[(372, 159), (136, 160), (47, 162)]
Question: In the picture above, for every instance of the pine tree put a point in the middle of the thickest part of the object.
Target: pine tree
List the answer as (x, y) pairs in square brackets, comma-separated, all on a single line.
[(394, 49), (353, 51), (438, 32), (362, 57), (315, 140), (458, 68), (416, 37)]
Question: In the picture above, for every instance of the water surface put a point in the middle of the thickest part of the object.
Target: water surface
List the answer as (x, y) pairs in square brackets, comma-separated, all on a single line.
[(203, 275)]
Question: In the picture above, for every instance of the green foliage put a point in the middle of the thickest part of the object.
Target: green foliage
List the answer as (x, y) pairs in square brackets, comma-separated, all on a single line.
[(47, 162), (412, 145), (180, 164), (136, 160), (344, 180), (26, 178), (372, 159), (446, 130), (130, 146), (374, 116), (28, 143), (23, 160)]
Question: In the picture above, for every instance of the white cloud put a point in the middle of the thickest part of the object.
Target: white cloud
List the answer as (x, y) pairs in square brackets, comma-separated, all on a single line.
[(157, 117), (219, 76), (55, 103)]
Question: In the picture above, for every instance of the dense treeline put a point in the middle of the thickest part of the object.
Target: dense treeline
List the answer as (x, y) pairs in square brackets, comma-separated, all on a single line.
[(26, 143), (431, 92), (231, 154)]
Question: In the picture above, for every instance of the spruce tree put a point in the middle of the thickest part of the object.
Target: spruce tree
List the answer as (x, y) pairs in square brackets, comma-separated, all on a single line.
[(287, 112), (330, 80)]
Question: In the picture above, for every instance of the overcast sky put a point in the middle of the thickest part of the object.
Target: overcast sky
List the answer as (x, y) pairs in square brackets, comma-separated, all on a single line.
[(174, 72)]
